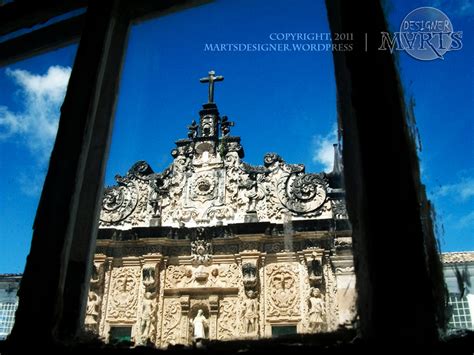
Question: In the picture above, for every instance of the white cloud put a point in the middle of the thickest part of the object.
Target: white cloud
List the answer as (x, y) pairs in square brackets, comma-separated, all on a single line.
[(323, 151), (36, 122), (462, 190)]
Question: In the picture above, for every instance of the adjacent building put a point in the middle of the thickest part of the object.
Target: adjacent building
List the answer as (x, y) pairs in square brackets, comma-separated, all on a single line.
[(9, 284)]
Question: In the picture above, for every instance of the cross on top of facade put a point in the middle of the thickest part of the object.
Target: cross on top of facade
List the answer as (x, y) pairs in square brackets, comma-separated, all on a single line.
[(211, 79)]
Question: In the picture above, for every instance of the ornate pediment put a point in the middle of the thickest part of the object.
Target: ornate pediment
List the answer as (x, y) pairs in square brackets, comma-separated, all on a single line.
[(209, 184)]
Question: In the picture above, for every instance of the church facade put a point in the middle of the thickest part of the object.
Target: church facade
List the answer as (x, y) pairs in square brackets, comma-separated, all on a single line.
[(215, 248)]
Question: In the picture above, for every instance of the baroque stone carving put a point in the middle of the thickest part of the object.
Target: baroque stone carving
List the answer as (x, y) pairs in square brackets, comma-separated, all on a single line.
[(204, 187), (124, 293), (282, 290), (148, 319), (201, 251), (171, 320), (249, 315), (227, 318), (316, 310), (95, 297), (339, 209), (250, 279), (182, 276), (92, 311), (315, 272)]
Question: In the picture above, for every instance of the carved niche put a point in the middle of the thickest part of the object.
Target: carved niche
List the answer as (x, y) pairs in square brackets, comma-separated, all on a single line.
[(282, 290)]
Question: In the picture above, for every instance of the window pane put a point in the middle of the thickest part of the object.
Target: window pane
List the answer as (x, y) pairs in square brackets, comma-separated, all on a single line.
[(32, 93), (438, 79), (219, 227)]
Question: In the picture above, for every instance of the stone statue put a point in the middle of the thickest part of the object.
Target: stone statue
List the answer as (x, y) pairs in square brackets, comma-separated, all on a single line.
[(199, 324), (316, 310), (92, 312), (147, 315), (192, 130), (249, 315), (250, 192)]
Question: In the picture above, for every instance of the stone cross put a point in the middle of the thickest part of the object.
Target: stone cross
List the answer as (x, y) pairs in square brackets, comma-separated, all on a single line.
[(211, 79)]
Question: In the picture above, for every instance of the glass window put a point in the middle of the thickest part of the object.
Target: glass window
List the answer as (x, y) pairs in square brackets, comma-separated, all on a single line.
[(223, 150), (32, 93), (7, 318), (460, 312), (120, 334), (283, 330)]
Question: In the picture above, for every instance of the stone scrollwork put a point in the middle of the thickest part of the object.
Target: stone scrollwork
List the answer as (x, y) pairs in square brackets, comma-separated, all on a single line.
[(227, 319), (119, 202), (171, 321), (302, 193)]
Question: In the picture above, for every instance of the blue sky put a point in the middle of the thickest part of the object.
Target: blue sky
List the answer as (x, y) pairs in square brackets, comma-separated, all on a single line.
[(280, 101)]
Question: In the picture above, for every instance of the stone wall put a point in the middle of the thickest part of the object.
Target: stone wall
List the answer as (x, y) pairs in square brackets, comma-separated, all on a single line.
[(242, 295)]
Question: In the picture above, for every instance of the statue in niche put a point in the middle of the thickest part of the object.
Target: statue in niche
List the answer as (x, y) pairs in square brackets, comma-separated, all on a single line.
[(249, 315), (316, 310), (148, 308), (92, 311), (199, 324)]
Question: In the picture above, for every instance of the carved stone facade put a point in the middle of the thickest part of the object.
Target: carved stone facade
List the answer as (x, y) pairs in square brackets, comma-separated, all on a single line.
[(252, 249)]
